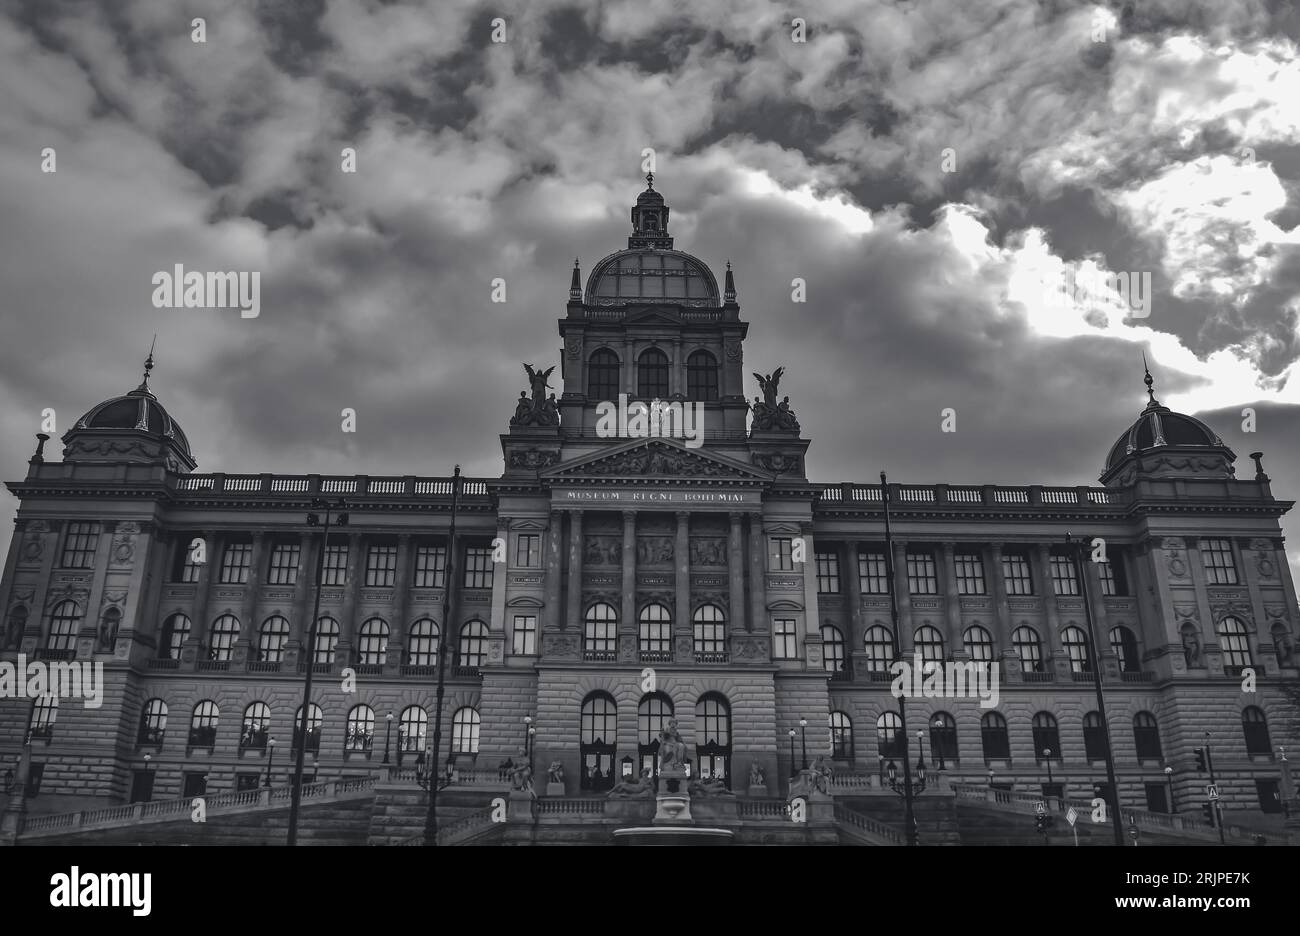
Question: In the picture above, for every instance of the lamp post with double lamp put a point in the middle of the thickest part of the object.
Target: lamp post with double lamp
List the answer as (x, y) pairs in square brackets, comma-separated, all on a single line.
[(270, 760), (530, 734), (148, 772), (1169, 780), (388, 735), (1047, 757), (936, 743), (793, 769), (920, 752), (431, 817), (803, 740), (1117, 823), (325, 509)]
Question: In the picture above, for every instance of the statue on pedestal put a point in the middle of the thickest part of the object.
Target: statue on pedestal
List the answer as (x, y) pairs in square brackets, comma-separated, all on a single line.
[(539, 410), (555, 772), (770, 415), (521, 775), (672, 749)]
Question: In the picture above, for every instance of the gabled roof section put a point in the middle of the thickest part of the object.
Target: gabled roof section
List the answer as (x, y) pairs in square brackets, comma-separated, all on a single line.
[(659, 459)]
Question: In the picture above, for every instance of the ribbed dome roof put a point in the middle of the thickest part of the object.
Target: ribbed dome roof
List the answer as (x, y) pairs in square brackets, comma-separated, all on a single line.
[(138, 410), (1157, 427), (652, 275)]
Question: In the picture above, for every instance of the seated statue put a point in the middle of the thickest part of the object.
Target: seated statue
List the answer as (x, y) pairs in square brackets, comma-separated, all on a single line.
[(627, 789), (713, 786), (672, 749), (555, 772), (521, 775), (756, 777)]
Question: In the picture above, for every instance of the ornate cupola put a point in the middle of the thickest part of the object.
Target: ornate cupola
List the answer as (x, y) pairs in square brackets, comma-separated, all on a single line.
[(650, 219), (1165, 444), (133, 427)]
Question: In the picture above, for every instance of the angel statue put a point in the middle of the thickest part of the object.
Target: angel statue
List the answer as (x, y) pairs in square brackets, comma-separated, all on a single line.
[(539, 384), (537, 410), (769, 386)]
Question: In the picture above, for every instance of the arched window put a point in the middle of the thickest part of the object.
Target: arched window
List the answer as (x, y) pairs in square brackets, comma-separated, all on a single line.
[(994, 737), (602, 376), (1094, 737), (1235, 643), (372, 643), (652, 375), (60, 642), (1076, 646), (422, 643), (713, 728), (1125, 646), (1255, 726), (314, 720), (360, 729), (701, 377), (710, 635), (412, 728), (879, 648), (153, 722), (464, 731), (45, 709), (841, 735), (929, 643), (327, 640), (978, 643), (832, 650), (175, 631), (943, 739), (652, 714), (600, 634), (271, 640), (1047, 737), (221, 638), (1146, 735), (1028, 649), (257, 726), (889, 735), (656, 637), (473, 644), (597, 740), (203, 724), (12, 637)]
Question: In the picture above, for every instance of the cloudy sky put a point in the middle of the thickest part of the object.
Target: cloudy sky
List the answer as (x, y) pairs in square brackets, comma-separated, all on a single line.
[(923, 165)]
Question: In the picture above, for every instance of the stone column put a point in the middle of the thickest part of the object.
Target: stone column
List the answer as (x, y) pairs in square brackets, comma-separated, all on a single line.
[(677, 370), (851, 587), (1052, 614), (904, 597), (497, 615), (628, 623), (629, 368), (349, 626), (952, 600), (682, 579), (203, 593), (304, 593), (735, 576), (1003, 624), (573, 608), (249, 631), (757, 584), (554, 560), (401, 600)]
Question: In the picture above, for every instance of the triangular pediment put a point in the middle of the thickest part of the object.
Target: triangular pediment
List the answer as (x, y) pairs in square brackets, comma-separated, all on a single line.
[(652, 315), (660, 458)]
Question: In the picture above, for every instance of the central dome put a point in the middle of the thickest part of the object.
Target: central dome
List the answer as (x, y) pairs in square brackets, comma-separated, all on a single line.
[(651, 275)]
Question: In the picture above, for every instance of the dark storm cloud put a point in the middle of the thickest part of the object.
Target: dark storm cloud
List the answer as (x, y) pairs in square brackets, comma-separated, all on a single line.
[(479, 160)]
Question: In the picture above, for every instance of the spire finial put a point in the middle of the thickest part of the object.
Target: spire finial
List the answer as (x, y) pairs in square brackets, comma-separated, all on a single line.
[(650, 180), (148, 365), (1149, 381)]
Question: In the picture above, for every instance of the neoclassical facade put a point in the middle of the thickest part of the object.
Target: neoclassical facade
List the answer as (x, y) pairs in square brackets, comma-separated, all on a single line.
[(605, 582)]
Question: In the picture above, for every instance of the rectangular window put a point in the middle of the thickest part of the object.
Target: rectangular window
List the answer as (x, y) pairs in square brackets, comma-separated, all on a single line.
[(782, 559), (430, 566), (79, 546), (235, 563), (1064, 581), (381, 566), (525, 635), (784, 646), (873, 573), (828, 573), (1017, 572), (1113, 580), (284, 563), (335, 569), (528, 550), (184, 568), (478, 566), (1220, 569), (921, 578), (970, 573)]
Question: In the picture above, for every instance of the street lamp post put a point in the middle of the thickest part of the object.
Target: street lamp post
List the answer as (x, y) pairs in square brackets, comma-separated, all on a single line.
[(431, 817), (793, 771), (1117, 822), (270, 761), (803, 740), (909, 815), (388, 735), (532, 745), (1218, 813), (401, 745), (313, 519), (1169, 779), (1047, 756), (920, 752), (937, 746)]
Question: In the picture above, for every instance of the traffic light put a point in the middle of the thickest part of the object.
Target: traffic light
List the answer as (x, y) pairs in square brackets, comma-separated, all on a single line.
[(1200, 760), (1207, 810)]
